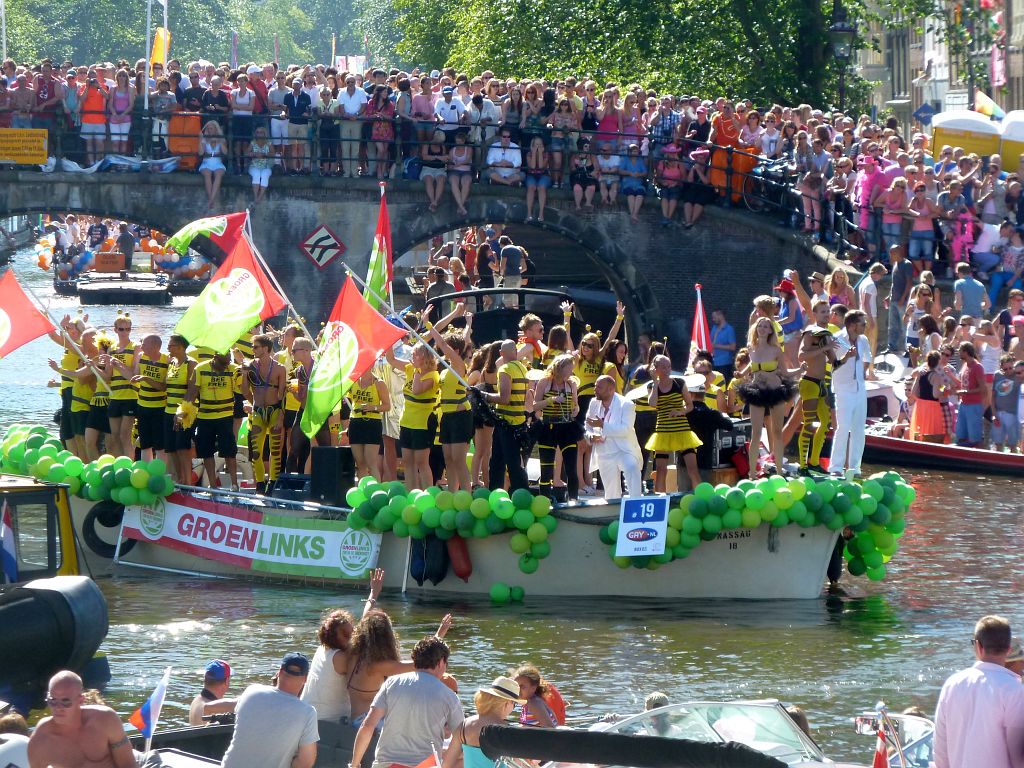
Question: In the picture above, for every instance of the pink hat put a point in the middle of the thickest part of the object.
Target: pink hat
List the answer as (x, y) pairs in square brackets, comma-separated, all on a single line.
[(1018, 320), (671, 149), (702, 110)]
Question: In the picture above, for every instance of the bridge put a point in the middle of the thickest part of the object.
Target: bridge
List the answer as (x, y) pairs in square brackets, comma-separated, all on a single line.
[(735, 254)]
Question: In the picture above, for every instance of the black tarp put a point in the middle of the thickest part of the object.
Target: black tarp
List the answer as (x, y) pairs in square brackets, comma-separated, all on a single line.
[(564, 745)]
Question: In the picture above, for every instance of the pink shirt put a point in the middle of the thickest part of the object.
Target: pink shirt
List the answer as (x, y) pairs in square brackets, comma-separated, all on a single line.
[(978, 710)]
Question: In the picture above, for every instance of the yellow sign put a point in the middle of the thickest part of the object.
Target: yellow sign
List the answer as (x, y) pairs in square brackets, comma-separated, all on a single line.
[(23, 146)]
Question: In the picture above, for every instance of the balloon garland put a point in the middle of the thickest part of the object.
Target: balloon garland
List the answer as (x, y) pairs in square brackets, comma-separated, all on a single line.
[(36, 452), (875, 512)]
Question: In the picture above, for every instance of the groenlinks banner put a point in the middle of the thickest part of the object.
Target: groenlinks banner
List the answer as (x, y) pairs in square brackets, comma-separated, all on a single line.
[(254, 540)]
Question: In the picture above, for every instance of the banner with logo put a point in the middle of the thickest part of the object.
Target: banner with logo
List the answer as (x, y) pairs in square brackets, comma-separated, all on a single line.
[(255, 540)]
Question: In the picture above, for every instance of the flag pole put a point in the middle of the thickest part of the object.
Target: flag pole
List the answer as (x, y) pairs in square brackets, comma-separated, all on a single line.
[(247, 234), (63, 332), (149, 52), (413, 331)]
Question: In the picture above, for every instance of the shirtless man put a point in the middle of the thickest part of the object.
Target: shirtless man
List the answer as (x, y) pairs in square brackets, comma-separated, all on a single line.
[(815, 355), (77, 735), (264, 384)]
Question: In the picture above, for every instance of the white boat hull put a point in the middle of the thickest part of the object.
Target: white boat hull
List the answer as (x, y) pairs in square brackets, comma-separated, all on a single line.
[(762, 564)]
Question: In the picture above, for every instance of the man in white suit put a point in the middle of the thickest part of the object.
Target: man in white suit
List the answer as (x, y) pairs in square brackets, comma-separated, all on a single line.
[(610, 419)]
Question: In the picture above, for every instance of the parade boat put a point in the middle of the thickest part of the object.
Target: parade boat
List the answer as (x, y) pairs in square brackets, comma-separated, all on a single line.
[(222, 534), (881, 447), (124, 288)]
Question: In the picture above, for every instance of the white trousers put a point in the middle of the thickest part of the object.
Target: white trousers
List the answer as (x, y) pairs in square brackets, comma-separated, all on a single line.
[(848, 440), (612, 466)]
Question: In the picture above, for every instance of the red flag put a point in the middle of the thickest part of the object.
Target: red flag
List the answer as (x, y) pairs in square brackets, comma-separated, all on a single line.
[(225, 231), (20, 321), (881, 759), (381, 273), (700, 338)]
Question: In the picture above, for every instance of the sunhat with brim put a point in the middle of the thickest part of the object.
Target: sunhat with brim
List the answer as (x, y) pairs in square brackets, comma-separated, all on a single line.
[(504, 688)]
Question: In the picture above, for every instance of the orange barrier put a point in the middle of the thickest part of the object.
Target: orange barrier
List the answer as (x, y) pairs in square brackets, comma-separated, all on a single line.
[(742, 165), (183, 140)]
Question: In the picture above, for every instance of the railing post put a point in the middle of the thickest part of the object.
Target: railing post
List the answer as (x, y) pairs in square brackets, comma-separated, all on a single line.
[(728, 177)]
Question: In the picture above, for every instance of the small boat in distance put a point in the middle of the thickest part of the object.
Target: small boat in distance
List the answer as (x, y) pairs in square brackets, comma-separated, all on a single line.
[(882, 448)]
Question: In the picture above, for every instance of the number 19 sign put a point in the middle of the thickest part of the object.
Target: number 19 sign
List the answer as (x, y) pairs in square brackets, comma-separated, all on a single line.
[(642, 524)]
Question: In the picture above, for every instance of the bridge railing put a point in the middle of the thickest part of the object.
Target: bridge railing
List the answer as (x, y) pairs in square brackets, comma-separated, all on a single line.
[(392, 147)]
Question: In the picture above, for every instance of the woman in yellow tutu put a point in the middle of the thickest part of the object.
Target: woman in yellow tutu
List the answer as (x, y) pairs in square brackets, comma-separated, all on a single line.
[(672, 433), (927, 421)]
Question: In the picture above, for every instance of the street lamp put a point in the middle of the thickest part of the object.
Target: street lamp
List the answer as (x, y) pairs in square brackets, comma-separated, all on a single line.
[(842, 34)]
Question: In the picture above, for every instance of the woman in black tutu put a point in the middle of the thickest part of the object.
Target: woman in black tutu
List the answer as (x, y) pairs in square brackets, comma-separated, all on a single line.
[(766, 389)]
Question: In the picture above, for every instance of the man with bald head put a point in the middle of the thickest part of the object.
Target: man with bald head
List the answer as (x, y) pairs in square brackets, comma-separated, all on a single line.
[(76, 735), (610, 419), (511, 406)]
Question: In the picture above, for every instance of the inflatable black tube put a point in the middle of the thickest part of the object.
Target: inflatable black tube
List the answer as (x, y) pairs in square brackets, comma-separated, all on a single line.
[(600, 748), (107, 514), (49, 625)]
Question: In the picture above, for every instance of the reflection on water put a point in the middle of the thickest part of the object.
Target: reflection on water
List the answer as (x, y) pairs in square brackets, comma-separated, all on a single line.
[(834, 656)]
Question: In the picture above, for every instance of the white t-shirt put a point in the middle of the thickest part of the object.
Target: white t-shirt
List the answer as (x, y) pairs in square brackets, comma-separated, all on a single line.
[(867, 296), (988, 237), (350, 104), (326, 691), (450, 112)]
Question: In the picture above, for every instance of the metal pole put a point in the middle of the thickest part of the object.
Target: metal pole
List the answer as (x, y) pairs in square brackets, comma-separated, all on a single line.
[(842, 87), (3, 26), (149, 45), (273, 278)]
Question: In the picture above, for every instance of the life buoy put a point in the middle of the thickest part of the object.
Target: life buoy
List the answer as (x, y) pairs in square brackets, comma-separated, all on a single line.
[(108, 515), (554, 700), (458, 554)]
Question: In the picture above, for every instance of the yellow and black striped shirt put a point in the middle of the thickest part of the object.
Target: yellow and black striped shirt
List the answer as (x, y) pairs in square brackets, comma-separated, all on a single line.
[(177, 384), (452, 398), (418, 407), (586, 373), (150, 396), (365, 396), (671, 401), (515, 411), (216, 391), (120, 387)]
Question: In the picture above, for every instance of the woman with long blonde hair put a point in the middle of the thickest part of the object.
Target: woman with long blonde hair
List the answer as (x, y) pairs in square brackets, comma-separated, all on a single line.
[(556, 405)]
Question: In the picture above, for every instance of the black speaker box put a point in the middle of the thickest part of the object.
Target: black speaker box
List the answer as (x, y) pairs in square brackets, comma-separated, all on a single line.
[(333, 473), (292, 487)]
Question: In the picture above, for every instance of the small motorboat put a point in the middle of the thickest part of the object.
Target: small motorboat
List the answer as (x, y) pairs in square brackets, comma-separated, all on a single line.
[(882, 448), (188, 286), (123, 288)]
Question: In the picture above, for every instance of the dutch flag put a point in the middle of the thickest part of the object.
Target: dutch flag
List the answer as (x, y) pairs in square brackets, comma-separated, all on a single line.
[(8, 555)]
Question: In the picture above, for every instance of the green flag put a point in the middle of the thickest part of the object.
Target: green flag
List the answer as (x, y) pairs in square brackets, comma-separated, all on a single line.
[(238, 297), (381, 271)]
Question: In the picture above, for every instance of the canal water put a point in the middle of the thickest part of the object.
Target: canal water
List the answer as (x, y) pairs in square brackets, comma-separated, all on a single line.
[(835, 656)]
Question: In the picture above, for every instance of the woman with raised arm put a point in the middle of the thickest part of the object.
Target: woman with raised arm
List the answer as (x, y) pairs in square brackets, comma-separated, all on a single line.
[(556, 404), (370, 400), (589, 365), (420, 392), (483, 374), (455, 426)]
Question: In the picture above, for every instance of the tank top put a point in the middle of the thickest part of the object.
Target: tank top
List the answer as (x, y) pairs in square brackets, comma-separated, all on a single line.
[(474, 757), (177, 384), (70, 361), (452, 398), (120, 387), (418, 407), (216, 391), (514, 412), (326, 691), (243, 106), (512, 116), (121, 101), (558, 412), (914, 322), (526, 716), (925, 390), (610, 369), (94, 105), (149, 396), (586, 373), (365, 396), (671, 401), (81, 395), (101, 393)]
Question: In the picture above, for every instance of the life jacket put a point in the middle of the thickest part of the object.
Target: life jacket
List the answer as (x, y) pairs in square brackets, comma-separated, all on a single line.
[(554, 700)]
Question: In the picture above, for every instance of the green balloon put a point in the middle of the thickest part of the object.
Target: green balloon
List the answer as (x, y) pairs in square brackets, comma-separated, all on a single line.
[(853, 516), (462, 500), (541, 549), (494, 524), (445, 500), (826, 489), (717, 506), (56, 473), (613, 530), (750, 518), (156, 467), (537, 533), (449, 520), (549, 521), (74, 485), (418, 531), (34, 442), (365, 482), (480, 530), (504, 509), (882, 515), (835, 523), (876, 574), (856, 567), (781, 519), (896, 527), (731, 520), (873, 488), (540, 507), (784, 498), (444, 535), (712, 524), (384, 520), (517, 594), (825, 512), (147, 498), (813, 501), (434, 490), (699, 508), (397, 488), (139, 479), (400, 529), (867, 505), (518, 543), (411, 515), (841, 503), (424, 502), (481, 493), (431, 518), (704, 491), (797, 512), (122, 462), (155, 484), (680, 552), (807, 521), (357, 522), (522, 498), (689, 540), (168, 488), (736, 499), (603, 535), (522, 519), (496, 495), (128, 496), (769, 512), (528, 563), (755, 499), (664, 557), (500, 593), (692, 525), (872, 559), (675, 518), (48, 450), (671, 537), (883, 539), (31, 456), (464, 520), (354, 496)]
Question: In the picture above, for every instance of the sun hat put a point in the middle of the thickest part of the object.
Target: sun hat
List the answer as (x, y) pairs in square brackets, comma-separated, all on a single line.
[(671, 149), (785, 286), (818, 276), (504, 688)]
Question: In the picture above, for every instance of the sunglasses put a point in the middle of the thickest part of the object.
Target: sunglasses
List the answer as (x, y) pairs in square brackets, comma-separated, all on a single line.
[(122, 327), (53, 703)]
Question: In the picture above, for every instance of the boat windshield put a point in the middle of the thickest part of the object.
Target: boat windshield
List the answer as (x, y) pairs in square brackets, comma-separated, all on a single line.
[(763, 726)]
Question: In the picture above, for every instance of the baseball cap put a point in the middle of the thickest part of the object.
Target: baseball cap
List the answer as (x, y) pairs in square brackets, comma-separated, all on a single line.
[(701, 110), (218, 670), (253, 70), (447, 89), (434, 73), (295, 664)]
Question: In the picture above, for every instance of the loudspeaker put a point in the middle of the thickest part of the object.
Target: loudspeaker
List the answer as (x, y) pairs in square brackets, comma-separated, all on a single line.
[(292, 487), (333, 473)]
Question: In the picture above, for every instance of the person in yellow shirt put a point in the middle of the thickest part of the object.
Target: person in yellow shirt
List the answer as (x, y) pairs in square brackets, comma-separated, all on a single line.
[(370, 399), (177, 439), (123, 394), (513, 400), (422, 384), (291, 403), (71, 334), (455, 427), (81, 391), (211, 385), (151, 379)]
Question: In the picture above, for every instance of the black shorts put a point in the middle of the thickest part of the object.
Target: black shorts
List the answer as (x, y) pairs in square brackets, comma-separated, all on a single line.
[(150, 423), (98, 419), (175, 439), (215, 436), (290, 418), (120, 408), (239, 412), (79, 421), (415, 439), (456, 427), (66, 432), (365, 432)]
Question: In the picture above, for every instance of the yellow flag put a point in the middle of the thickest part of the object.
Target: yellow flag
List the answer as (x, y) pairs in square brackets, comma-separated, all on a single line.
[(161, 47)]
